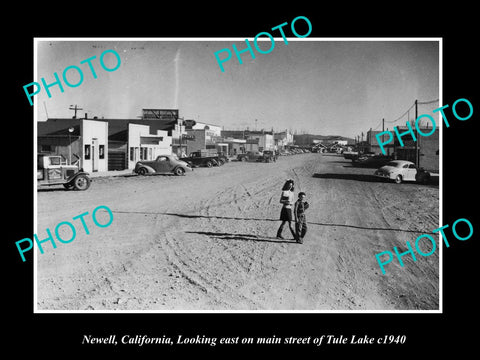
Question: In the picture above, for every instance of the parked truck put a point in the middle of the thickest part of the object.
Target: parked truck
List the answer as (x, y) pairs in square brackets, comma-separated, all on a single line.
[(54, 170), (206, 158)]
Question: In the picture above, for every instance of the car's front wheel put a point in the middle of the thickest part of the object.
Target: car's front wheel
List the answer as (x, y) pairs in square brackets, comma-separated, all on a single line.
[(179, 171), (81, 182), (398, 179)]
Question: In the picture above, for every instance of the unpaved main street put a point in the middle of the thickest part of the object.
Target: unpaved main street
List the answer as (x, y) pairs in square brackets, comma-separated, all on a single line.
[(206, 241)]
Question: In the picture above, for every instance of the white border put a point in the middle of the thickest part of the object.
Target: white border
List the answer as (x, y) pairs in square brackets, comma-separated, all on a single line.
[(340, 39)]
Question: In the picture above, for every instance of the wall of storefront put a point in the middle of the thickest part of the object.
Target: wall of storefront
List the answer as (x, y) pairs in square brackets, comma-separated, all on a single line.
[(145, 146), (62, 145)]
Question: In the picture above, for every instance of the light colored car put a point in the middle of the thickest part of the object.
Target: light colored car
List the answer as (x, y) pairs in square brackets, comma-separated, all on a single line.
[(403, 170)]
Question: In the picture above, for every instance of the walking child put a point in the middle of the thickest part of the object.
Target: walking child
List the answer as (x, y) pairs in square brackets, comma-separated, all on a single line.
[(300, 220), (286, 212)]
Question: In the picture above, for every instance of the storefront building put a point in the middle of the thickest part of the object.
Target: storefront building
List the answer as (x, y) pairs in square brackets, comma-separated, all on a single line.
[(77, 140)]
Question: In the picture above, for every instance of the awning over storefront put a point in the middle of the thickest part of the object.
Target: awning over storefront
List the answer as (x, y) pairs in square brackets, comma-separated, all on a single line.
[(150, 140)]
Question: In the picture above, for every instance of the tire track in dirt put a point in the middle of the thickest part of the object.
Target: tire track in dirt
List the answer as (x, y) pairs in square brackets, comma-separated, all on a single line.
[(174, 247)]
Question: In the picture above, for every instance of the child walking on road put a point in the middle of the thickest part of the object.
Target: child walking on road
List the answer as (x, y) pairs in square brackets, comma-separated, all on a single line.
[(286, 212), (300, 220)]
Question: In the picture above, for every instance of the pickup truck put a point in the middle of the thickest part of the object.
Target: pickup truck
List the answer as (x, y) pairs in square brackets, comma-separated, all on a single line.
[(54, 170), (204, 158)]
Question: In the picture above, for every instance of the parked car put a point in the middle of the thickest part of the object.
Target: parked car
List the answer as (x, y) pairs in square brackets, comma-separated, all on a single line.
[(403, 170), (350, 154), (250, 156), (372, 161), (164, 164), (269, 156), (54, 170), (258, 156), (202, 158), (223, 158)]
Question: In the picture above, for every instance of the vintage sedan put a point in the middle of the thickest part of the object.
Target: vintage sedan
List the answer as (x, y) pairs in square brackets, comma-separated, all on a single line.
[(250, 156), (163, 164), (403, 170), (371, 160)]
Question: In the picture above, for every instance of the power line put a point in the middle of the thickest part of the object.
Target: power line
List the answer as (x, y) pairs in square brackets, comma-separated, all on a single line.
[(401, 116), (427, 102), (383, 121)]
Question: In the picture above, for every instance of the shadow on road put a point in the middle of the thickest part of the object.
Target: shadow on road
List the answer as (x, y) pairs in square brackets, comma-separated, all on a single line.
[(216, 217), (357, 177), (243, 237), (188, 216), (49, 189), (368, 228)]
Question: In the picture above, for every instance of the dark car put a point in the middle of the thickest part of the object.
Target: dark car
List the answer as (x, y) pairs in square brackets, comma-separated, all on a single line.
[(223, 158), (199, 158), (163, 164), (251, 156), (370, 160), (269, 156), (54, 170)]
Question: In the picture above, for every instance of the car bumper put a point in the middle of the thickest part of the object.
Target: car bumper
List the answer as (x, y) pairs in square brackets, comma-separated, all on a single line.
[(383, 175)]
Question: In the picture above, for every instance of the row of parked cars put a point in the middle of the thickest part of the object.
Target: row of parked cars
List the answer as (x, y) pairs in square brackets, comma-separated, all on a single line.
[(294, 151), (207, 158), (54, 170), (258, 156), (179, 166)]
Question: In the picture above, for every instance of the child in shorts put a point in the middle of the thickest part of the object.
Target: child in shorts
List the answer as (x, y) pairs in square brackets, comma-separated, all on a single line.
[(300, 220)]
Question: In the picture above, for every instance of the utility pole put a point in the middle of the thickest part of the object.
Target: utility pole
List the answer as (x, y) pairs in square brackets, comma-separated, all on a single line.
[(383, 129), (75, 108), (417, 157)]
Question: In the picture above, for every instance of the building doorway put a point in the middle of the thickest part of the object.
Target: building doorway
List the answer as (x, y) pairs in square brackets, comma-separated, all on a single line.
[(95, 157)]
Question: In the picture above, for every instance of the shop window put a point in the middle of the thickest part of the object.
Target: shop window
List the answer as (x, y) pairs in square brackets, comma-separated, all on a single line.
[(143, 153), (101, 151), (132, 153), (150, 154), (87, 152)]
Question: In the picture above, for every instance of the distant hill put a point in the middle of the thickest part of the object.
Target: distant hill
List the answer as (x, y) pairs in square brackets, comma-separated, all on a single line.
[(307, 139)]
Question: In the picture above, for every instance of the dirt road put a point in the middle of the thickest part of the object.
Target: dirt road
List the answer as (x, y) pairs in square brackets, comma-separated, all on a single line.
[(206, 241)]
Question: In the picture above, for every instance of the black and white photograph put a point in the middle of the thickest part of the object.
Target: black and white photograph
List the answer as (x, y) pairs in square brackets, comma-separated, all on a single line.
[(252, 184)]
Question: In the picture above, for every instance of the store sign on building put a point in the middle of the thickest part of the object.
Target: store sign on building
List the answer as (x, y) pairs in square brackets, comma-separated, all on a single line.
[(160, 114), (188, 137)]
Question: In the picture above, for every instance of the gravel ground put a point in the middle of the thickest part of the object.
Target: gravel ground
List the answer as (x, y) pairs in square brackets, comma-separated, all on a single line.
[(206, 241)]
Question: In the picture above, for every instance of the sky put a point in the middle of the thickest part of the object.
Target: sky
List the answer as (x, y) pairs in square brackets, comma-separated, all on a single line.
[(315, 86)]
